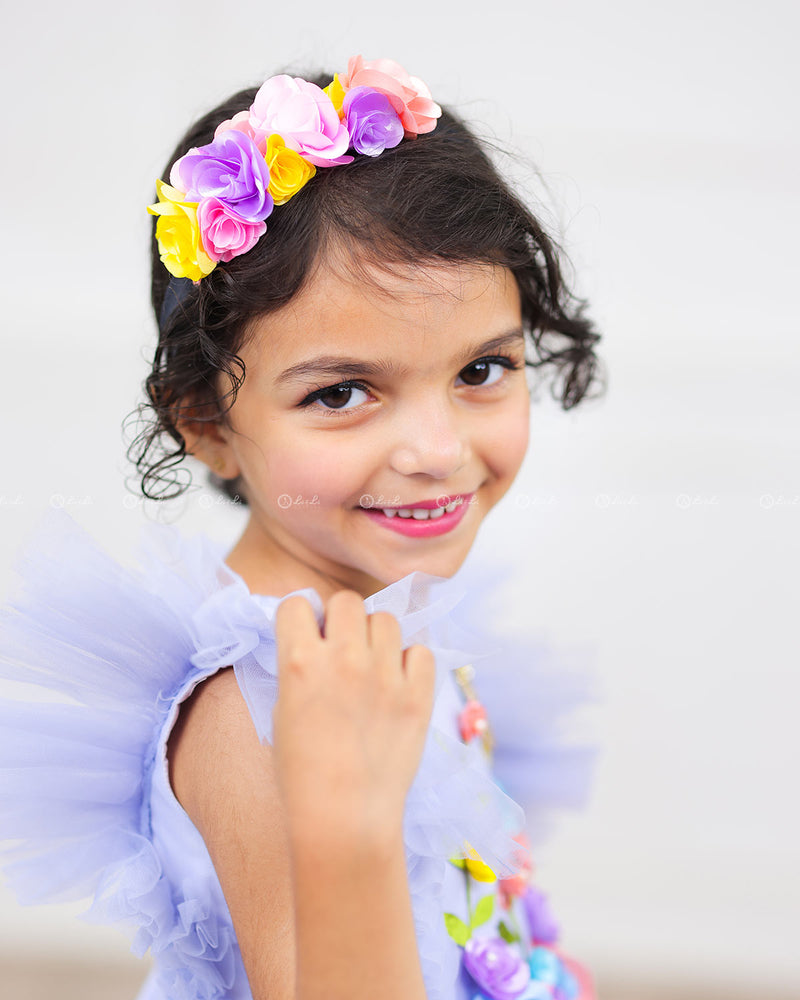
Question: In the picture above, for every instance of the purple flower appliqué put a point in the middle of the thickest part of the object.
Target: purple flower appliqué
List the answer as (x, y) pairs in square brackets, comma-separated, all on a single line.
[(371, 120), (541, 922), (230, 169), (496, 968)]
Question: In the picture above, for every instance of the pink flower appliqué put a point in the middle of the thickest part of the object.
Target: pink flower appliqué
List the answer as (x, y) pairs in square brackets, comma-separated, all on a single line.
[(472, 720), (410, 98), (225, 234), (305, 118), (517, 885)]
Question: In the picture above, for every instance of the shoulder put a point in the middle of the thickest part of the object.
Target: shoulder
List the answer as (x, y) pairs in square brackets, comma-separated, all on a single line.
[(225, 780), (214, 754)]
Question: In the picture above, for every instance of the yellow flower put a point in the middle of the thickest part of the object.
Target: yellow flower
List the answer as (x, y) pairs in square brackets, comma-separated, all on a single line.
[(288, 170), (178, 234), (336, 92), (475, 865)]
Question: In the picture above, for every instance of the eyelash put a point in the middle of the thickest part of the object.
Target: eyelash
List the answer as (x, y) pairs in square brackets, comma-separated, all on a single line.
[(504, 360)]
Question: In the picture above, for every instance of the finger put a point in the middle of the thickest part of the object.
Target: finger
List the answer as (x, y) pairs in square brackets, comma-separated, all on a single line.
[(383, 630), (419, 665), (296, 629), (346, 619), (385, 638)]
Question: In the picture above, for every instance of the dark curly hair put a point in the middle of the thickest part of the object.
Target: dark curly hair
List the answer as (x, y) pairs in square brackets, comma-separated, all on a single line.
[(436, 198)]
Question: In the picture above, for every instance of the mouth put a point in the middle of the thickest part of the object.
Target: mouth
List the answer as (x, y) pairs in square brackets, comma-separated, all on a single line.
[(424, 519)]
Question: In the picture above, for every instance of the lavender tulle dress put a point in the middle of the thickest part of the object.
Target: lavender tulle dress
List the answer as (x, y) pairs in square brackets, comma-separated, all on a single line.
[(87, 810)]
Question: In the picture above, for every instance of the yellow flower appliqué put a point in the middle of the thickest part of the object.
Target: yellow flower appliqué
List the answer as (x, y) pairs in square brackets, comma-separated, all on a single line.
[(336, 92), (178, 235), (288, 171), (475, 865)]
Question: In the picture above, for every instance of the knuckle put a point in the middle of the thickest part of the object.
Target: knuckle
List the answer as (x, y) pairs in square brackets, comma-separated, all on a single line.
[(348, 659), (296, 656)]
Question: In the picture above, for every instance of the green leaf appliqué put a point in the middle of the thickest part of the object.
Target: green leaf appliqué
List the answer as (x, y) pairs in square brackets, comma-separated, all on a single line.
[(457, 929), (483, 911), (506, 934)]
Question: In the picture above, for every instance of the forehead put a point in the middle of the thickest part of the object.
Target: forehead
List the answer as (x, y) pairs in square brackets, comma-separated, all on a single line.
[(395, 312)]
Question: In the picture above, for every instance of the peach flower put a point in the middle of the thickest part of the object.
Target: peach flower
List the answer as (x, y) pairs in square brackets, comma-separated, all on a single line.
[(409, 96)]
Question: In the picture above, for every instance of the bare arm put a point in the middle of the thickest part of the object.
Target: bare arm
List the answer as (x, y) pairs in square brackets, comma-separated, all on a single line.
[(306, 837)]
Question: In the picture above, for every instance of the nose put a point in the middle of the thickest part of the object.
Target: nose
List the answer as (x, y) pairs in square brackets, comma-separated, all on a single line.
[(434, 442)]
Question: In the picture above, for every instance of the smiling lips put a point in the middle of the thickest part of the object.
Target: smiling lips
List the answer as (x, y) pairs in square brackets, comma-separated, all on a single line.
[(422, 520)]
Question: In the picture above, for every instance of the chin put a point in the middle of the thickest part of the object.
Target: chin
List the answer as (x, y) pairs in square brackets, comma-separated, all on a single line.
[(443, 565)]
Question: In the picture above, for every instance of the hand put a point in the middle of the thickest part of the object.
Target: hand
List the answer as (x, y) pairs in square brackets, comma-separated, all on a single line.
[(351, 717)]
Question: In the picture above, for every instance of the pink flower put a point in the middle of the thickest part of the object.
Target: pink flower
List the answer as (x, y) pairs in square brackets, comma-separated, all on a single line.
[(517, 885), (305, 118), (581, 979), (511, 888), (241, 123), (472, 720), (522, 855), (410, 98), (225, 234)]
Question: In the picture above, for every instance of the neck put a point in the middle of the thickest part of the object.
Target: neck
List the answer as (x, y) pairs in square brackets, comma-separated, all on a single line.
[(275, 567)]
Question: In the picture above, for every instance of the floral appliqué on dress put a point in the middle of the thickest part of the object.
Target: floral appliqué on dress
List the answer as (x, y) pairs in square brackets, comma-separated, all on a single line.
[(508, 935)]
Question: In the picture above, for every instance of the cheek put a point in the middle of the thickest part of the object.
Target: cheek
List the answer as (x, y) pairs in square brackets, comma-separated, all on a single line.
[(320, 470), (509, 441)]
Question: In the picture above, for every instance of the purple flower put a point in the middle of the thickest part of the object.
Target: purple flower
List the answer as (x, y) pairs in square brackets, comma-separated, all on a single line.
[(496, 968), (541, 922), (230, 169), (371, 120)]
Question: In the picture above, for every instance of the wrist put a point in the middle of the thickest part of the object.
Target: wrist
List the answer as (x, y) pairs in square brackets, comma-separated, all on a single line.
[(374, 836)]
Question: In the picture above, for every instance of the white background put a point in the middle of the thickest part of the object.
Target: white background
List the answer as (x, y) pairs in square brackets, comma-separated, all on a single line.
[(659, 527)]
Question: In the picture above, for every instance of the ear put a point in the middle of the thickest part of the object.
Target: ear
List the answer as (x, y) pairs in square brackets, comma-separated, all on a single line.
[(211, 443)]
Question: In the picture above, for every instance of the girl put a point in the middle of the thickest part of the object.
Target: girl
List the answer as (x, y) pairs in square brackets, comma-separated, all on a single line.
[(347, 296)]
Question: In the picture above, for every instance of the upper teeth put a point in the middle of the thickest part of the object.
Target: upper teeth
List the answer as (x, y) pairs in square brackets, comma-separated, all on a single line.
[(421, 513)]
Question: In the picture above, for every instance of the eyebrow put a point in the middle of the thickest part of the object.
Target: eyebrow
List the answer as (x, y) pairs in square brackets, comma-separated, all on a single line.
[(335, 366)]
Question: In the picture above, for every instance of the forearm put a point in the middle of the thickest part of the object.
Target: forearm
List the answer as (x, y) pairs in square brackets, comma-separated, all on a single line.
[(354, 928)]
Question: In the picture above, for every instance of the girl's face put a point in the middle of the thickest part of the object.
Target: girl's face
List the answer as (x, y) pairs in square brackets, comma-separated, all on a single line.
[(378, 423)]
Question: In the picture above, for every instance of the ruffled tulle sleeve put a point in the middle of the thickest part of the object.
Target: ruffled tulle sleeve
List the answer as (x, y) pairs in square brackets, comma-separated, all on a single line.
[(105, 654)]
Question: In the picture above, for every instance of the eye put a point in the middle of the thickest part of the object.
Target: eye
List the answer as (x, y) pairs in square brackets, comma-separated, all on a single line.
[(345, 396), (485, 371)]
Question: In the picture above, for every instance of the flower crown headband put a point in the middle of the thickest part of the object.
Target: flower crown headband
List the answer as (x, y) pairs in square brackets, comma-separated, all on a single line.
[(219, 195)]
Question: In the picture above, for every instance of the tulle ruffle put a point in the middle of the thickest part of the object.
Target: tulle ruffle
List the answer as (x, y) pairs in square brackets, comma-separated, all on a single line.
[(122, 648), (76, 773)]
